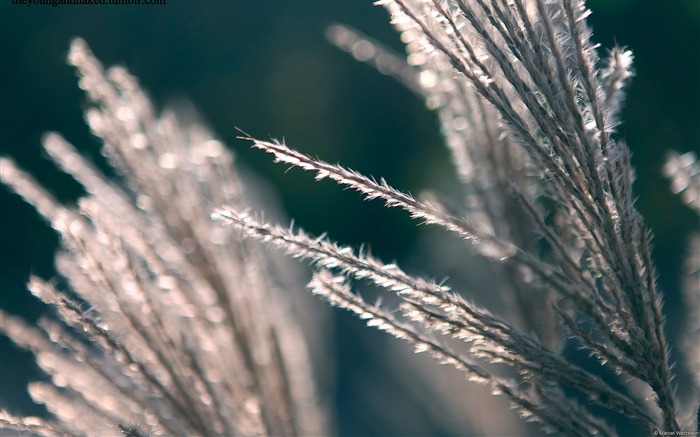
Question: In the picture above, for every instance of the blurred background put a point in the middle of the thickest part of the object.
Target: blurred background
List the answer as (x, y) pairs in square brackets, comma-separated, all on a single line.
[(265, 66)]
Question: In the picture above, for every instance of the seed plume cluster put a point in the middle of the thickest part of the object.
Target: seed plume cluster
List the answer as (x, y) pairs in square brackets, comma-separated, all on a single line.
[(188, 332), (187, 329)]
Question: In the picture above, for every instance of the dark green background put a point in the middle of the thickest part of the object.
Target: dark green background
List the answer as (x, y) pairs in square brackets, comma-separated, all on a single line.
[(265, 66)]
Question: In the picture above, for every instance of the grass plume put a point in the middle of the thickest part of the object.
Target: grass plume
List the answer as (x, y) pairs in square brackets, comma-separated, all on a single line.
[(171, 320)]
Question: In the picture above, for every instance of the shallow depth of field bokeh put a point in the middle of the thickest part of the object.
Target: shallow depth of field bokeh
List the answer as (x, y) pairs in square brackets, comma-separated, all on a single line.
[(265, 66)]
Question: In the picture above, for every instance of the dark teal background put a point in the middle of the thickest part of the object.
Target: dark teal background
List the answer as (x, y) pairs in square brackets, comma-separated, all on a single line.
[(264, 66)]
